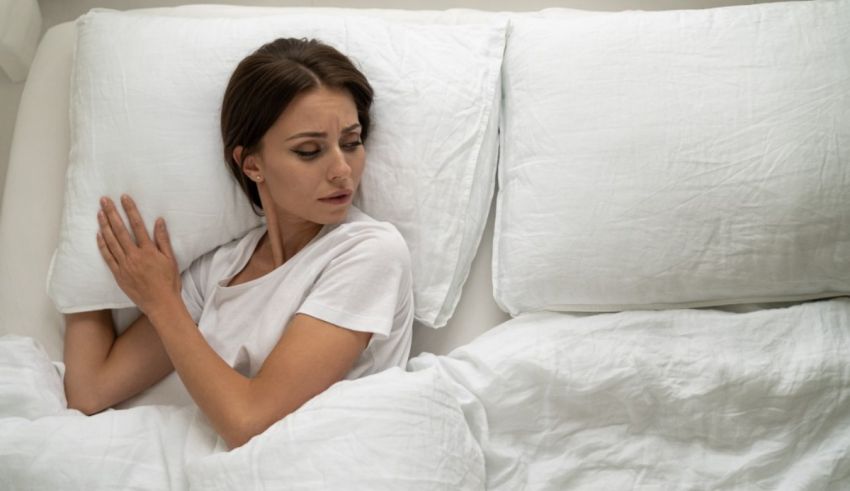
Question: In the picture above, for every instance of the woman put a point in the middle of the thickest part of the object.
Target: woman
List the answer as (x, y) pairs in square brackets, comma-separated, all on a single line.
[(259, 326)]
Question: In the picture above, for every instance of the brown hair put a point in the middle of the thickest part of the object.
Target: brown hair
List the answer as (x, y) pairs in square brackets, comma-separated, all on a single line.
[(266, 81)]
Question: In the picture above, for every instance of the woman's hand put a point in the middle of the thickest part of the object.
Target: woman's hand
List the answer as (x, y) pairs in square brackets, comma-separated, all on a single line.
[(145, 269)]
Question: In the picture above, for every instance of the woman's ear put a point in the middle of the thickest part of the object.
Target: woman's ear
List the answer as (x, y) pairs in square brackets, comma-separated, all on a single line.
[(249, 165), (237, 154)]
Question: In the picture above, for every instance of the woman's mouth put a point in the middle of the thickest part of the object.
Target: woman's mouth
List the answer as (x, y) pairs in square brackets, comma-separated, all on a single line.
[(338, 198)]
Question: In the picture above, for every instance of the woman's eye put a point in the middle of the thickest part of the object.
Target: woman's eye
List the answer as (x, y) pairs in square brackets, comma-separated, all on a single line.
[(352, 145), (306, 154)]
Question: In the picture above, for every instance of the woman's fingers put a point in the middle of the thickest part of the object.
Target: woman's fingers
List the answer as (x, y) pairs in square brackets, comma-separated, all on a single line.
[(137, 224), (144, 272), (106, 253), (119, 231), (116, 226), (163, 241), (116, 252)]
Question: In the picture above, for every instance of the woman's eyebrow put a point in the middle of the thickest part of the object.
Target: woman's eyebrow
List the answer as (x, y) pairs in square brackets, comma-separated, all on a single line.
[(322, 134), (311, 134)]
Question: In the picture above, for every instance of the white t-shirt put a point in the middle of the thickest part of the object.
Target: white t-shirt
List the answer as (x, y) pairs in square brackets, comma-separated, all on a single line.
[(355, 275)]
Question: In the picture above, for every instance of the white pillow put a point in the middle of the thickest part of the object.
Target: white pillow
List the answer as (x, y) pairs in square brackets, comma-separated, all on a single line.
[(680, 158), (145, 102)]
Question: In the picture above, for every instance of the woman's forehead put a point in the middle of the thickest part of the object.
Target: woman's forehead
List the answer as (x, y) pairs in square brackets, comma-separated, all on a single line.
[(325, 108)]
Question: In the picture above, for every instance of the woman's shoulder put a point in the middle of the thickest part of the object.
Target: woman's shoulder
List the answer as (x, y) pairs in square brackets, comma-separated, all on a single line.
[(361, 231)]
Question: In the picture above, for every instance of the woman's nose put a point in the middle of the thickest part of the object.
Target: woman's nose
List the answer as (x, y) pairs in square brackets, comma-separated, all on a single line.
[(339, 167)]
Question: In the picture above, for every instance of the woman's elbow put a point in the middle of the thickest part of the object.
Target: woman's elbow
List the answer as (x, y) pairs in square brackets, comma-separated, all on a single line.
[(242, 431), (83, 398), (84, 405), (234, 440), (238, 436)]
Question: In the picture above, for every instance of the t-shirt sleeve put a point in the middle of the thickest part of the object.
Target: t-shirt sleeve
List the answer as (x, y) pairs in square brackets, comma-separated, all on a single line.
[(195, 282), (365, 285)]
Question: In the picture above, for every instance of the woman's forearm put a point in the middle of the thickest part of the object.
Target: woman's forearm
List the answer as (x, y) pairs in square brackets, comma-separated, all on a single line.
[(102, 368), (222, 393), (310, 357), (89, 336)]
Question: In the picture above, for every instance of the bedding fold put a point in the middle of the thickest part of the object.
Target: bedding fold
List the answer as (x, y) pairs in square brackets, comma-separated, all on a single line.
[(683, 399), (678, 399)]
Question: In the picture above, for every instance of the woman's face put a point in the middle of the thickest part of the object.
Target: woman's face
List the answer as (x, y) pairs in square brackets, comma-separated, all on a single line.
[(312, 158)]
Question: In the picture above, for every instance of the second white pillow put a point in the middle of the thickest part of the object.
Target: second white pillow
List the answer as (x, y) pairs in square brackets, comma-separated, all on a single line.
[(681, 158)]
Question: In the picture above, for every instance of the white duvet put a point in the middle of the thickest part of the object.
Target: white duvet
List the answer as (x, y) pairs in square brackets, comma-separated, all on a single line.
[(653, 400)]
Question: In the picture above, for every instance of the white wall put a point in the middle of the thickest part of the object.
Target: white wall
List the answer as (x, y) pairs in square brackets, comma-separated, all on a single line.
[(58, 11), (10, 94)]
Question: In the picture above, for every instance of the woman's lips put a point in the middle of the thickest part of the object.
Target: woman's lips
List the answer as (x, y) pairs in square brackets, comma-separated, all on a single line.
[(337, 198)]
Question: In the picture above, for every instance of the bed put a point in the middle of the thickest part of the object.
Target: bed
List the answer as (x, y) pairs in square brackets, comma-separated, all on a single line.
[(631, 261)]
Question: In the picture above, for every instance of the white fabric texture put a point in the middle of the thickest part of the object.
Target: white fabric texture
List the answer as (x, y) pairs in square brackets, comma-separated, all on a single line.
[(146, 93), (355, 275), (31, 386), (681, 399), (678, 158)]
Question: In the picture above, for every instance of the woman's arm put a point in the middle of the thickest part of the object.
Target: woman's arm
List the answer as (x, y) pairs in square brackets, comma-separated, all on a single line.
[(309, 357), (102, 369)]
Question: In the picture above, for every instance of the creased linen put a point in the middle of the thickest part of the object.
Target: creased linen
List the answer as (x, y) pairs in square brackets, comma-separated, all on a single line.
[(682, 399)]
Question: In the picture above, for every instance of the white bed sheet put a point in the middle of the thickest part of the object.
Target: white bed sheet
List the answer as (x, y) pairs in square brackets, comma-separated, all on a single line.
[(682, 399)]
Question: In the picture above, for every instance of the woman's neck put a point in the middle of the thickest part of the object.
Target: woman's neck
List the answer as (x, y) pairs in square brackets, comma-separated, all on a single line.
[(284, 238)]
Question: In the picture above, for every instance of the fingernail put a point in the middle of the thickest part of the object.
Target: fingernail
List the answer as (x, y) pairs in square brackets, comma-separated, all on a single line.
[(103, 201)]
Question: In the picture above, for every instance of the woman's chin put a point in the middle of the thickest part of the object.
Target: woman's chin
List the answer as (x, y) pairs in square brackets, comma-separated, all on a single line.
[(335, 216)]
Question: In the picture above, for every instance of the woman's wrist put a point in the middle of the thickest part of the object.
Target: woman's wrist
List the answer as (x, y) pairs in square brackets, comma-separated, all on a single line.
[(166, 311)]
